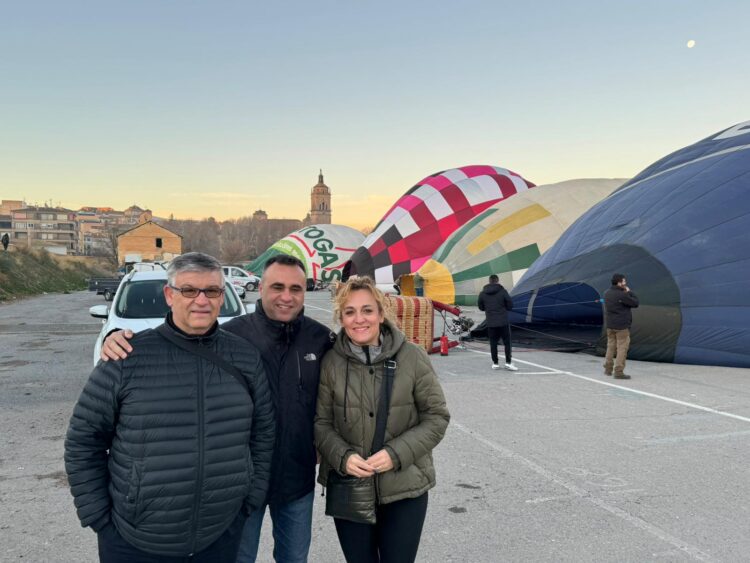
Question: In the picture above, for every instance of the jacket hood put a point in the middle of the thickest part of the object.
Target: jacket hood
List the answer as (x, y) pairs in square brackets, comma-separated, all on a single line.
[(391, 339), (492, 288)]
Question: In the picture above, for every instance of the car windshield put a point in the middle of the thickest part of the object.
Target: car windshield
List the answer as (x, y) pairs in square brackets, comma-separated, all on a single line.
[(144, 299)]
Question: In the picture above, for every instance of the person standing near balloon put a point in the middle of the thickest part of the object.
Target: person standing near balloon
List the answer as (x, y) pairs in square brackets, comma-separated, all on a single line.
[(495, 301), (380, 413), (618, 304)]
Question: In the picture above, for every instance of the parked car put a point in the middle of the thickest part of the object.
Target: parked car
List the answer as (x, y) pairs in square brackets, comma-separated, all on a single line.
[(240, 278), (105, 286), (140, 304)]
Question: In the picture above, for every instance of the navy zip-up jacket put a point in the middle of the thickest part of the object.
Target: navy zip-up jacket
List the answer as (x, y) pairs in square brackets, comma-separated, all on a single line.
[(291, 353)]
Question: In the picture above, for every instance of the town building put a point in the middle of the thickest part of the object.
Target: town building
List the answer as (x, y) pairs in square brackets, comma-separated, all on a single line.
[(98, 227), (52, 228), (320, 203), (8, 205), (148, 242)]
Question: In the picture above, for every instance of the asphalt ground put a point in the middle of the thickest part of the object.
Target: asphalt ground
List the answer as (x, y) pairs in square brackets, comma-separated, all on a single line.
[(555, 462)]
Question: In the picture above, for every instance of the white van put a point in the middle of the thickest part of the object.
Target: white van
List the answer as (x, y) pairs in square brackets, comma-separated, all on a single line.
[(240, 278)]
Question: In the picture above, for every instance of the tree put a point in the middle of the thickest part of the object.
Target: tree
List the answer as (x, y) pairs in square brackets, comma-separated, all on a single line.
[(108, 245)]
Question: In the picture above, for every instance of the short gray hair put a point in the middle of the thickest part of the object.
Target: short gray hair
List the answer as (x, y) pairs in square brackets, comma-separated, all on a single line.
[(193, 262)]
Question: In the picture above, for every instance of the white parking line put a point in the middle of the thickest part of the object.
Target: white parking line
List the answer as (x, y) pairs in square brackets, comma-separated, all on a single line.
[(629, 389), (583, 494), (694, 438), (537, 372)]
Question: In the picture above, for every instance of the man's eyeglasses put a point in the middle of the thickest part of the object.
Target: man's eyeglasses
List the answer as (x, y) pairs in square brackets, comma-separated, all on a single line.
[(193, 292)]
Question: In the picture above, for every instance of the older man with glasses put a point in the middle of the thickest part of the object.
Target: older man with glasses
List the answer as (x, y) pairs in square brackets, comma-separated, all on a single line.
[(169, 450)]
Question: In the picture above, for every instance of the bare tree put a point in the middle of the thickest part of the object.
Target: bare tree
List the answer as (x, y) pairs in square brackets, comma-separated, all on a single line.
[(108, 245), (234, 251)]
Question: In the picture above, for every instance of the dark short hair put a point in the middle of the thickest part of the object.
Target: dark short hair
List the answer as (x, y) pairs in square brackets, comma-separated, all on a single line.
[(494, 278), (285, 260), (617, 278)]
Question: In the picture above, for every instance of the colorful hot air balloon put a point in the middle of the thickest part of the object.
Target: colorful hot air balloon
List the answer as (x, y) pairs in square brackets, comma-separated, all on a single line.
[(323, 249), (507, 238), (679, 232), (419, 222)]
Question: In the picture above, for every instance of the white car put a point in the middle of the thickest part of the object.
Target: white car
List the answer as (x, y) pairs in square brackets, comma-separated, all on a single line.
[(240, 278), (140, 304)]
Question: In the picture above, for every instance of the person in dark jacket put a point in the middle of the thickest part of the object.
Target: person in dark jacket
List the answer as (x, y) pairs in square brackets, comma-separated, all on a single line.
[(619, 302), (167, 451), (417, 417), (292, 346), (495, 301)]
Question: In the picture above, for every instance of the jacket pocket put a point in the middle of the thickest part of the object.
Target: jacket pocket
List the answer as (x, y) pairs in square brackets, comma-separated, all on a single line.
[(133, 496), (250, 470)]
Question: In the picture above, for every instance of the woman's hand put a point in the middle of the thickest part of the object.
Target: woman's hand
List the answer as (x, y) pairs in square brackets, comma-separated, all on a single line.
[(358, 467), (380, 461)]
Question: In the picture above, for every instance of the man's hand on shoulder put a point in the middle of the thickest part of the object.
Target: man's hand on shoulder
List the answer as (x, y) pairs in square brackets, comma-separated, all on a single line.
[(116, 345)]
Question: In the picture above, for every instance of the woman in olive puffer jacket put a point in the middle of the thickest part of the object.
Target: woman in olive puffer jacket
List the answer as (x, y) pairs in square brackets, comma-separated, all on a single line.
[(348, 396)]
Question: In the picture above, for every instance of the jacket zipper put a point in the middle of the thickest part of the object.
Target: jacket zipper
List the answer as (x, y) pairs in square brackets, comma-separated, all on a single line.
[(199, 487), (299, 371), (376, 477)]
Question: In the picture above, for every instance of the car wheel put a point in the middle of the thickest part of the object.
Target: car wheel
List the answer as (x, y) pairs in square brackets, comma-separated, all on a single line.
[(251, 286), (108, 295)]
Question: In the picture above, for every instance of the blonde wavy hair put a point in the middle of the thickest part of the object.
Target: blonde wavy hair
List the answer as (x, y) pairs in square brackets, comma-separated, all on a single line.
[(355, 283)]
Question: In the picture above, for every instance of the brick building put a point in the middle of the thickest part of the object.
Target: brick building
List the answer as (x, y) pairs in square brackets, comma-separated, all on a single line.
[(148, 242)]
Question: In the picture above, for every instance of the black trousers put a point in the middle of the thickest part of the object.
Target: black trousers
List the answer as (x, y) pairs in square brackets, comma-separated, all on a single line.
[(114, 549), (496, 333), (394, 539)]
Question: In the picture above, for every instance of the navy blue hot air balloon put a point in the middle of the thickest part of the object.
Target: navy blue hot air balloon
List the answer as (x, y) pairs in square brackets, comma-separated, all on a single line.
[(680, 232)]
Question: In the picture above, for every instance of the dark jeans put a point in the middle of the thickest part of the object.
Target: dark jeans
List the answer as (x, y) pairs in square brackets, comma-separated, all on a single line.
[(394, 539), (114, 549), (292, 531), (497, 333)]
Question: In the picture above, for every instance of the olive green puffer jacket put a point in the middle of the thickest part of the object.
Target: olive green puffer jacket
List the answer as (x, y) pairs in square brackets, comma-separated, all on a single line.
[(348, 402)]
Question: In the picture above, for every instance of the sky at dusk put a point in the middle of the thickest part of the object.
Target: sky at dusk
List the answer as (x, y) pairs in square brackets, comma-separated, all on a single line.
[(224, 107)]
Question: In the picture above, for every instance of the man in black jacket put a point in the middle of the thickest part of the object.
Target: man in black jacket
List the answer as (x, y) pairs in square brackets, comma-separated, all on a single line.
[(618, 304), (292, 346), (495, 301), (168, 451)]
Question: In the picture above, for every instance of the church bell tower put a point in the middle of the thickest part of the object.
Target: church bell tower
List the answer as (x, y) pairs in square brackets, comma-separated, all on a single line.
[(320, 203)]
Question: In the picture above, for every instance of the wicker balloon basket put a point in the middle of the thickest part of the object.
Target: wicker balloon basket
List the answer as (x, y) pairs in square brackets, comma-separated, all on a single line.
[(415, 318)]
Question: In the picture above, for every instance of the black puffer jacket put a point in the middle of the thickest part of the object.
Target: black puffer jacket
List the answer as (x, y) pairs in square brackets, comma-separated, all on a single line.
[(291, 355), (495, 302), (188, 447), (618, 305)]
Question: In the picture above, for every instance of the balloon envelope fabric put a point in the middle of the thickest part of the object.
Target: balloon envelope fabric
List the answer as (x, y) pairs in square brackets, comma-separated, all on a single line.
[(323, 249), (678, 231), (419, 222), (508, 237)]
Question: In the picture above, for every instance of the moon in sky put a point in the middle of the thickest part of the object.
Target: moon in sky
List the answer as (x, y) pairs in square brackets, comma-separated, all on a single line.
[(691, 44)]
